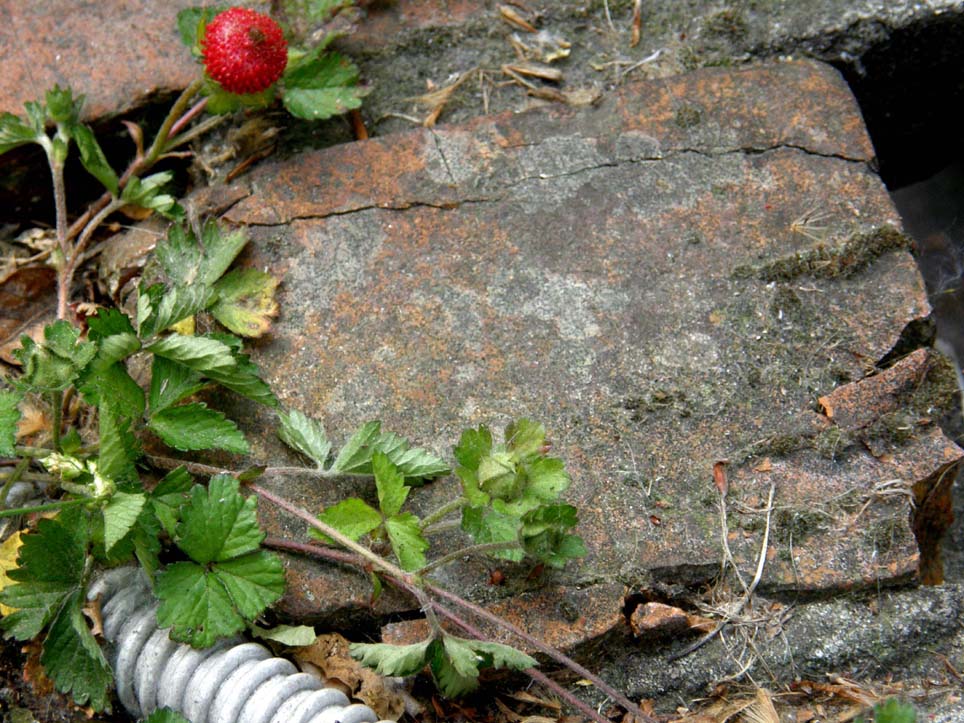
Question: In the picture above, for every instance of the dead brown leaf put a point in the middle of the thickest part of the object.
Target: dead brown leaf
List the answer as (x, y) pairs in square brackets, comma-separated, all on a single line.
[(329, 653)]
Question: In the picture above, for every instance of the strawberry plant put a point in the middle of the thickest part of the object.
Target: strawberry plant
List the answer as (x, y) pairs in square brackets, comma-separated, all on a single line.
[(117, 385)]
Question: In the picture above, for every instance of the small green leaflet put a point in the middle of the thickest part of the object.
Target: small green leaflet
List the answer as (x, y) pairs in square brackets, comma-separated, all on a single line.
[(525, 438), (169, 496), (352, 517), (120, 514), (119, 448), (488, 525), (392, 490), (14, 132), (160, 307), (200, 353), (194, 426), (389, 659), (321, 88), (246, 301), (219, 523), (409, 546), (244, 378), (93, 159), (294, 636), (304, 435), (171, 383), (229, 580), (9, 417), (62, 107)]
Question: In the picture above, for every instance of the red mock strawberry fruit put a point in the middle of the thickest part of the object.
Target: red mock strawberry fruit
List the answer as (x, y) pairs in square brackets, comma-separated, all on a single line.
[(244, 51)]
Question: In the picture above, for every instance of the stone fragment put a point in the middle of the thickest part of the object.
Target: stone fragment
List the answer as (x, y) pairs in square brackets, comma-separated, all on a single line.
[(588, 268)]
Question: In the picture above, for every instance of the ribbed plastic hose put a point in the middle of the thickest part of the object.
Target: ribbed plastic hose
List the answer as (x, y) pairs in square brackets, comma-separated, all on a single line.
[(231, 682)]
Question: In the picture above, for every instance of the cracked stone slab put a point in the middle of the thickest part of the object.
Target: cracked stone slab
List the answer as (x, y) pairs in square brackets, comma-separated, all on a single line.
[(588, 268), (116, 52)]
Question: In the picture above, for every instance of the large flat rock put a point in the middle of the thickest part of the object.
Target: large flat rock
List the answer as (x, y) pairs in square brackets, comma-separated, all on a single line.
[(669, 279)]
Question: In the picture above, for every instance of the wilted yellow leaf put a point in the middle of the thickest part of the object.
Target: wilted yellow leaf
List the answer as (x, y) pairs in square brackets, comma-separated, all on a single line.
[(8, 561)]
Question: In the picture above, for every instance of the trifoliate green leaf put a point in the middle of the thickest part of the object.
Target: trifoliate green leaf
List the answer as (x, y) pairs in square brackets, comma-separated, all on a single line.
[(407, 542), (525, 438), (388, 659), (219, 523), (218, 529), (171, 383), (392, 490), (56, 363), (51, 567), (253, 581), (246, 301), (73, 660), (169, 496), (166, 715), (200, 353), (62, 107), (14, 132), (194, 426), (195, 605), (93, 158), (294, 636), (9, 418), (120, 514), (352, 517), (305, 435), (323, 88)]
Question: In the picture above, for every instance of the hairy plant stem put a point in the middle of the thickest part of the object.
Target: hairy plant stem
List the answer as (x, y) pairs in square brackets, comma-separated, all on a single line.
[(470, 550), (449, 507), (62, 504), (107, 203), (57, 411), (206, 469), (11, 478)]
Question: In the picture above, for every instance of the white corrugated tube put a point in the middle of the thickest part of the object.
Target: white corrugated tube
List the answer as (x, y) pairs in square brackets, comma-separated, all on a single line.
[(231, 682)]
